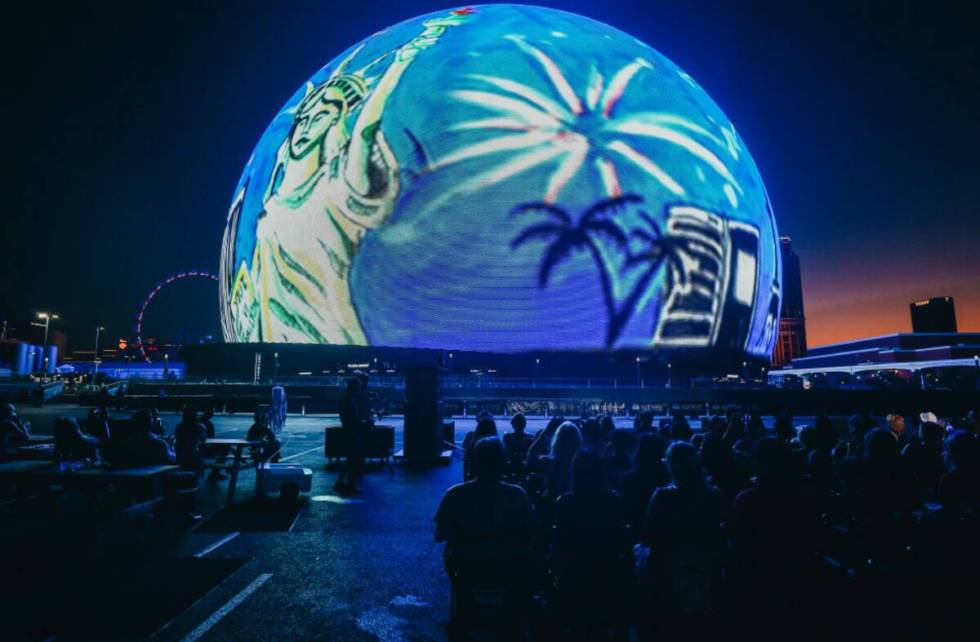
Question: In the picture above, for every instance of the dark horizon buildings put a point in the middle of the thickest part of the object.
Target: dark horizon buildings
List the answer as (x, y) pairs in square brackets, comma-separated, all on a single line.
[(791, 342), (935, 315)]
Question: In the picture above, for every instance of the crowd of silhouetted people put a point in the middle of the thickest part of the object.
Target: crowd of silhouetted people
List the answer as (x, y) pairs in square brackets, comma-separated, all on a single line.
[(589, 531), (141, 440)]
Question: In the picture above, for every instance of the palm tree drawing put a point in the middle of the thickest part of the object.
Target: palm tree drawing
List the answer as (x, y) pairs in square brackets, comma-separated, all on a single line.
[(659, 251), (655, 252), (569, 235)]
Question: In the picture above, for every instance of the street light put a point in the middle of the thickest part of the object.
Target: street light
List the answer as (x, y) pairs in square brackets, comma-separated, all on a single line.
[(669, 366), (638, 380), (47, 318), (47, 322), (98, 330)]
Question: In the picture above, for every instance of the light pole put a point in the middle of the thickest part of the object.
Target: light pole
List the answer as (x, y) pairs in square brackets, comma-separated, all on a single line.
[(166, 365), (98, 330), (639, 382), (537, 367), (669, 366), (47, 318)]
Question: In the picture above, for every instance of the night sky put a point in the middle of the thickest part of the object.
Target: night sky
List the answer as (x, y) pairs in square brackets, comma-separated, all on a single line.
[(127, 128)]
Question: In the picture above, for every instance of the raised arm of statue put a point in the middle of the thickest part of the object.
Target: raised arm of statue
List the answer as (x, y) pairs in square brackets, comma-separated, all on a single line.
[(365, 131)]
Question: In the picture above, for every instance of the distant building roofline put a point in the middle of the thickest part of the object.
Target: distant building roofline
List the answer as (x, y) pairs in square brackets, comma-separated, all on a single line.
[(896, 334)]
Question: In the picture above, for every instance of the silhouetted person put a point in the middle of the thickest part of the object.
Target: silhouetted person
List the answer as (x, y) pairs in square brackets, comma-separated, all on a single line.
[(683, 528), (825, 435), (755, 429), (591, 553), (557, 466), (643, 421), (680, 429), (879, 481), (608, 425), (542, 441), (207, 420), (97, 425), (959, 487), (722, 467), (618, 457), (485, 427), (156, 424), (14, 433), (260, 431), (592, 435), (517, 443), (649, 472), (924, 457), (143, 447), (355, 426), (783, 428), (487, 526), (71, 443), (189, 437), (220, 453), (773, 530)]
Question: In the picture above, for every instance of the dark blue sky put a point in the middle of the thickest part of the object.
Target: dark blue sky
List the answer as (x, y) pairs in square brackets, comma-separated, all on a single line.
[(128, 127)]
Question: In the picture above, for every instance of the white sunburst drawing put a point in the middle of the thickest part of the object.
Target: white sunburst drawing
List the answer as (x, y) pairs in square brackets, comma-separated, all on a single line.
[(571, 132)]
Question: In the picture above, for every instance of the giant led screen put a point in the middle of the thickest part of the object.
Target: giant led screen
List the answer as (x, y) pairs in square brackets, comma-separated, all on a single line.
[(502, 178)]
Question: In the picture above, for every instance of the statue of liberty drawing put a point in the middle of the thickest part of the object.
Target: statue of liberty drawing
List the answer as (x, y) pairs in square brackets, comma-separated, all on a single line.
[(335, 178)]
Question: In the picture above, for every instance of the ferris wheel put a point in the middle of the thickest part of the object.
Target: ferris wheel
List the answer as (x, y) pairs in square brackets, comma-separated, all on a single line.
[(173, 278)]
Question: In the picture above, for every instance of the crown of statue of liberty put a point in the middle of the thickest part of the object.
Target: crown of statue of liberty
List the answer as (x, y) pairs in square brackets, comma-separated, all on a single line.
[(351, 87)]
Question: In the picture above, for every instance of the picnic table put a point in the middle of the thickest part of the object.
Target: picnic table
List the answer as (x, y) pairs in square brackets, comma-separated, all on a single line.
[(88, 479), (237, 448)]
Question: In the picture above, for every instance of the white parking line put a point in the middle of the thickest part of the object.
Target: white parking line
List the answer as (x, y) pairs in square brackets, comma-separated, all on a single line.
[(221, 542), (302, 453), (228, 607)]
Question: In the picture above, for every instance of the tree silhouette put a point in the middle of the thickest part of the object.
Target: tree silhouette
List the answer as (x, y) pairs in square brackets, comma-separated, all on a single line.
[(660, 251), (568, 235)]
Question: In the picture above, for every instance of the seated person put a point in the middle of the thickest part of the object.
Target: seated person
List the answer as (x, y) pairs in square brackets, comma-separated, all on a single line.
[(959, 487), (156, 424), (590, 523), (189, 438), (220, 454), (684, 529), (485, 427), (484, 519), (70, 443), (517, 443), (617, 458), (97, 425), (207, 415), (142, 446), (924, 457), (592, 439), (542, 442), (590, 548), (260, 431), (648, 473), (14, 433)]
